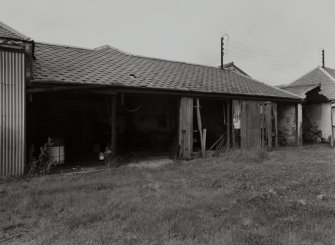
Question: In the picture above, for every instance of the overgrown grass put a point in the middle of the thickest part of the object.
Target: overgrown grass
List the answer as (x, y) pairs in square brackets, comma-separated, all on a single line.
[(237, 198)]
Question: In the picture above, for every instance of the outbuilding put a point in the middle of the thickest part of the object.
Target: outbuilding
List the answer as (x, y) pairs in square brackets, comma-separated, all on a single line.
[(90, 99), (317, 90)]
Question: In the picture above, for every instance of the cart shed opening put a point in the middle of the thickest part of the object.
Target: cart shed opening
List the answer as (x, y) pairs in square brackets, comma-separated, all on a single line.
[(82, 122)]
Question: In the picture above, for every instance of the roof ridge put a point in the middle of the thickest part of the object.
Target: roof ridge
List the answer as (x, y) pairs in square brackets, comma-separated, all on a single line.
[(64, 46), (107, 46), (318, 67), (8, 28), (327, 74), (174, 61)]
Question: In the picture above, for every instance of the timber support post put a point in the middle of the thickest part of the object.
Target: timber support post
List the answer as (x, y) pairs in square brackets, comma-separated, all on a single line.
[(228, 123), (110, 154), (275, 116), (202, 132), (298, 118), (185, 128)]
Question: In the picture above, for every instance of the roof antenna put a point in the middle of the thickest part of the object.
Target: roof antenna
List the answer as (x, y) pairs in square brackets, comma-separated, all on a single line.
[(222, 47), (323, 58)]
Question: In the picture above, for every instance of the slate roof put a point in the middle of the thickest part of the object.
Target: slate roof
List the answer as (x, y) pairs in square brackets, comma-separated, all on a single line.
[(8, 32), (323, 76), (109, 66)]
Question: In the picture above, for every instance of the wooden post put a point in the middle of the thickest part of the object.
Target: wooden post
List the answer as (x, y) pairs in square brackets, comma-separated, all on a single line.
[(228, 107), (236, 116), (200, 129), (202, 132), (298, 118), (203, 146), (262, 124), (274, 107), (269, 125), (186, 127), (113, 126)]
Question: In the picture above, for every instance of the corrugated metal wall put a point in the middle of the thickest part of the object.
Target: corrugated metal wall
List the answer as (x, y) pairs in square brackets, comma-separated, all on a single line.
[(12, 111)]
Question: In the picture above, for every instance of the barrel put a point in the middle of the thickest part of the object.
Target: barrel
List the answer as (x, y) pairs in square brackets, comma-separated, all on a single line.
[(56, 154)]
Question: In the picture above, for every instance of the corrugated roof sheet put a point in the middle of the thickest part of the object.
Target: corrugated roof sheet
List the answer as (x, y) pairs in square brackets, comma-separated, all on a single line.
[(323, 76), (109, 66)]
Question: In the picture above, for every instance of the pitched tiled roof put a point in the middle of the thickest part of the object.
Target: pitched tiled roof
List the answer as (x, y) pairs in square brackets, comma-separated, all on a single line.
[(301, 90), (109, 66), (330, 71), (8, 32), (322, 76), (234, 67)]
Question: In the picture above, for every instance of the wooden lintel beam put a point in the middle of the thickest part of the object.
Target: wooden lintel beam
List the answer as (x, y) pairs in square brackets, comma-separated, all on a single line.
[(67, 88)]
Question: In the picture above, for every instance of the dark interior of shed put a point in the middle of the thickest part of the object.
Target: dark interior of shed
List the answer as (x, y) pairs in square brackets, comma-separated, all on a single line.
[(145, 125), (214, 118)]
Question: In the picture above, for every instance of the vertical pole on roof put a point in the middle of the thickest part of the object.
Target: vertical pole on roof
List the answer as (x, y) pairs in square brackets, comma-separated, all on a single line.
[(222, 52), (323, 58), (222, 47)]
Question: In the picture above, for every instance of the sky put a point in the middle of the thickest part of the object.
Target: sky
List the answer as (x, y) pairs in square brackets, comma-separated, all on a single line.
[(274, 41)]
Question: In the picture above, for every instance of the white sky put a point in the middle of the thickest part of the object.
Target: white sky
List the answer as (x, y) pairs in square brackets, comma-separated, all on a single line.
[(275, 41)]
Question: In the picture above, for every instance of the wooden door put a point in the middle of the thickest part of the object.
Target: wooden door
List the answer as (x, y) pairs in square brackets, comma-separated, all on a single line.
[(256, 124)]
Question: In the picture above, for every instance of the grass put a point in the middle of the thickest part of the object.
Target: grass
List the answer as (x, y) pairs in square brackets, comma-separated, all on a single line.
[(238, 198)]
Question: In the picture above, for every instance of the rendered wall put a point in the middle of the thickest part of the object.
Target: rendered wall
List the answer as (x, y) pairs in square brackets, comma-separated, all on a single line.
[(319, 116), (287, 124)]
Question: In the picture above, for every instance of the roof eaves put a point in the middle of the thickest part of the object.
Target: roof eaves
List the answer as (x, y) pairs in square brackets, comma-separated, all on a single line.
[(279, 89), (178, 90)]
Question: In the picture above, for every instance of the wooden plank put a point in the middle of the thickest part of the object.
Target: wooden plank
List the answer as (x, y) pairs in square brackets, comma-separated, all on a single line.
[(236, 118), (203, 146), (228, 113), (269, 125), (186, 127), (244, 130), (200, 128), (251, 125), (262, 124), (274, 106)]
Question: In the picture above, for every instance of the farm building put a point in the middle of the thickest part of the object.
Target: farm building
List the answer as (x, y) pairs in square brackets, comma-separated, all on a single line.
[(317, 89), (90, 99)]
